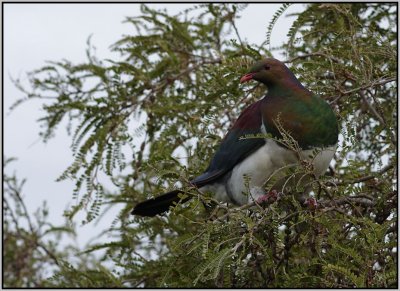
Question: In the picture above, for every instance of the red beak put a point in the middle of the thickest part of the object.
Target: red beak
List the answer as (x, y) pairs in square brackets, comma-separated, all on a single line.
[(247, 77)]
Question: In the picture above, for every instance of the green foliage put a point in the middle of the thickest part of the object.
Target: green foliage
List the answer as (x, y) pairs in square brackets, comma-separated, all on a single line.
[(30, 244), (274, 19), (151, 120), (33, 256), (91, 278)]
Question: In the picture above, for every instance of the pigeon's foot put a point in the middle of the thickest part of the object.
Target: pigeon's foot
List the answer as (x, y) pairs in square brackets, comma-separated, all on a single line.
[(311, 202), (270, 197)]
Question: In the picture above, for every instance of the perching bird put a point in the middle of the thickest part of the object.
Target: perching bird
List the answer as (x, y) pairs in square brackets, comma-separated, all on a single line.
[(306, 117)]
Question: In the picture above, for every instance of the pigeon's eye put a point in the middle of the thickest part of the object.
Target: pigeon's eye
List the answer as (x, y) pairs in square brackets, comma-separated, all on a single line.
[(267, 67)]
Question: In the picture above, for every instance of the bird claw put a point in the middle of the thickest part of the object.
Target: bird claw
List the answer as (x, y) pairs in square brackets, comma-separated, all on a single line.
[(270, 197), (311, 202)]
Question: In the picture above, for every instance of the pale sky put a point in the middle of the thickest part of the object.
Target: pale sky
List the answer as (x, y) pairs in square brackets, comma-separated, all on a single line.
[(34, 33)]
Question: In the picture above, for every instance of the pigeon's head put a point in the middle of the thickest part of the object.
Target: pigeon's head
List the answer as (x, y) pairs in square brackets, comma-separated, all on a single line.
[(268, 71)]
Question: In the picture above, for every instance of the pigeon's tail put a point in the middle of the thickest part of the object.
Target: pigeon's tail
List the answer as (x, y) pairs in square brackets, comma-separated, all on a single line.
[(159, 204)]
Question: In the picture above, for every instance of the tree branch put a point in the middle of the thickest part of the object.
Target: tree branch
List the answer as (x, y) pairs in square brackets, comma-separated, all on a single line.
[(363, 179), (367, 86), (316, 54)]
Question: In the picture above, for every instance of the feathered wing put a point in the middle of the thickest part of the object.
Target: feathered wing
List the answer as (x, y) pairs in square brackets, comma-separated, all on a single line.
[(239, 143), (234, 148)]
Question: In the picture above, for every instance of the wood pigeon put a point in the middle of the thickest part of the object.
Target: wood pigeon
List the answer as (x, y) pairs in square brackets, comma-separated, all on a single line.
[(242, 164)]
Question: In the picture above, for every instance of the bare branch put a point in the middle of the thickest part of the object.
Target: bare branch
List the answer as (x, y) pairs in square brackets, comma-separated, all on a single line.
[(316, 54), (360, 89), (363, 179)]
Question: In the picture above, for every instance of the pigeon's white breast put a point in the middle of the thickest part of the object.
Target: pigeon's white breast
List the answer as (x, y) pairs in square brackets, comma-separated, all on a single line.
[(254, 171), (267, 160), (251, 174)]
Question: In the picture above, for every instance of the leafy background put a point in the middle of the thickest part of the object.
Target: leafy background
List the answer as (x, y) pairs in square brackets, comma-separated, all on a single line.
[(178, 75)]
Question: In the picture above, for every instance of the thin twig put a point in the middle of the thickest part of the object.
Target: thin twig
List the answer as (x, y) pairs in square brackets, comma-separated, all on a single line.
[(363, 179), (316, 54), (359, 89)]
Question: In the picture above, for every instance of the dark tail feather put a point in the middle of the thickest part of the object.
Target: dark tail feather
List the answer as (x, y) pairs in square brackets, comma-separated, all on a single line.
[(158, 205)]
